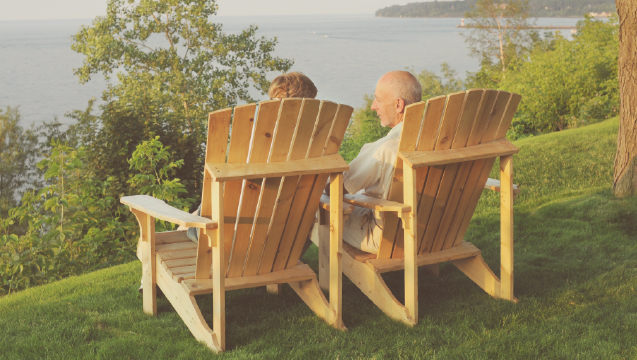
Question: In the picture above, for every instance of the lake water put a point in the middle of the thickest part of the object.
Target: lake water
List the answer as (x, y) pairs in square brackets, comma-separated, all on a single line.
[(344, 56)]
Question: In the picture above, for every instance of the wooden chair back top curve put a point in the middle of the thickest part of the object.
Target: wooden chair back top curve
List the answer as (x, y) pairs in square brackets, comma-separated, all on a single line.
[(447, 195), (266, 221)]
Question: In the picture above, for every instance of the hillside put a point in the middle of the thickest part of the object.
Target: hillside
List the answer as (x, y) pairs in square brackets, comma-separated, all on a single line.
[(539, 8), (575, 278)]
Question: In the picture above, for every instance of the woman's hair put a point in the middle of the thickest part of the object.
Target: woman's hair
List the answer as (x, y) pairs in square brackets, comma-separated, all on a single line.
[(292, 84)]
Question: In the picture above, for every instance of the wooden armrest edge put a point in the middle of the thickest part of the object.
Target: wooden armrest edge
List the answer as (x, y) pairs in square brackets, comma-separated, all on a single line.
[(417, 159), (375, 204), (162, 211)]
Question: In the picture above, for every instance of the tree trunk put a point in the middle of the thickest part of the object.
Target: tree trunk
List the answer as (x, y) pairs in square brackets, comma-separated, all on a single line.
[(625, 179)]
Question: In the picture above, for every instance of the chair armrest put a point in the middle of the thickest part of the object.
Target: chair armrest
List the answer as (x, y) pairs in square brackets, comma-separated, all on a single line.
[(417, 159), (375, 204), (162, 211), (494, 184), (318, 165), (325, 205)]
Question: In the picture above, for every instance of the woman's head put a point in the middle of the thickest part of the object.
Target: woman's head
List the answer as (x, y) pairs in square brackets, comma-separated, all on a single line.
[(292, 84)]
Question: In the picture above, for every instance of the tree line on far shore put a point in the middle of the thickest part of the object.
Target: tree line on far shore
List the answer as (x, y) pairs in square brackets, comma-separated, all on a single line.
[(538, 8)]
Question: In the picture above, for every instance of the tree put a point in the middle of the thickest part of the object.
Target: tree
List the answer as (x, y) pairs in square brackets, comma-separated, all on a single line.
[(566, 84), (18, 155), (173, 67), (497, 30), (625, 169)]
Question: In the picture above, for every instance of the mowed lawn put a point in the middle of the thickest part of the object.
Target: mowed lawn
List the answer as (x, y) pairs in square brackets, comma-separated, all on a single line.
[(575, 278)]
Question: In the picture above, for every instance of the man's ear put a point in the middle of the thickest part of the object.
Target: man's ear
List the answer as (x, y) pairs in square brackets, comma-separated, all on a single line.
[(400, 106)]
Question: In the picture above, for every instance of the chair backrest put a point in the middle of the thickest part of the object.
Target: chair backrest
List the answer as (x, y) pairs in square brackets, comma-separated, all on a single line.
[(448, 195), (266, 221)]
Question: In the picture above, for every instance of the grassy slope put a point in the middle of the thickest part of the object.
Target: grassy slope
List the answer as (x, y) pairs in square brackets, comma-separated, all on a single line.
[(576, 274)]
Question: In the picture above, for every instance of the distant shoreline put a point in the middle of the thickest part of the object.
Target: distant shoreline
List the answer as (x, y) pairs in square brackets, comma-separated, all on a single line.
[(460, 17), (549, 27)]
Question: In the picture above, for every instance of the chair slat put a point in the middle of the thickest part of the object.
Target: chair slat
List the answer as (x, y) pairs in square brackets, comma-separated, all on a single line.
[(433, 111), (301, 195), (341, 121), (441, 240), (216, 148), (300, 145), (482, 120), (461, 140), (290, 184), (262, 140), (412, 123), (242, 124), (486, 165), (429, 205)]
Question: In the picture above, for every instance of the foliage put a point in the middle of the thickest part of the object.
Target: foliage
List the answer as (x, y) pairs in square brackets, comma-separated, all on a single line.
[(498, 30), (70, 228), (151, 161), (70, 225), (575, 279), (18, 155), (538, 8), (435, 85), (173, 67), (572, 84)]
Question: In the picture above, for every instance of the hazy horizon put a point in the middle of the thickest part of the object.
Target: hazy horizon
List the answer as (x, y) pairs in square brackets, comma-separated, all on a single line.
[(25, 10)]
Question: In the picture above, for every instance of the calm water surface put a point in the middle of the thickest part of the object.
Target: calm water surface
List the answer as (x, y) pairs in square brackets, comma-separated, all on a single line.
[(343, 55)]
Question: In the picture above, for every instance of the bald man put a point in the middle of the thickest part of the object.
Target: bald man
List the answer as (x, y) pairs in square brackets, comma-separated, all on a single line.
[(371, 171)]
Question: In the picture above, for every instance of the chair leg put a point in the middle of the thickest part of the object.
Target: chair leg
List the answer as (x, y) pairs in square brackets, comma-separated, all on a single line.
[(506, 226), (310, 292), (372, 284), (274, 288), (149, 268), (324, 251), (478, 271), (186, 306)]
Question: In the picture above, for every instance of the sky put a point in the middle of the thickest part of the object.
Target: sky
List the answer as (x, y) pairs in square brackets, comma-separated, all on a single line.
[(89, 9)]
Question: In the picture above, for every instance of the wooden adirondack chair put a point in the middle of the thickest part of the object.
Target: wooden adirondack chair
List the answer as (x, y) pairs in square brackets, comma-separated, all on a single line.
[(261, 191), (447, 148)]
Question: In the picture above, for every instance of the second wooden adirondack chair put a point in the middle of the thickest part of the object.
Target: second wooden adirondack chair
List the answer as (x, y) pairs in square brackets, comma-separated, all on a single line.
[(261, 192), (447, 149)]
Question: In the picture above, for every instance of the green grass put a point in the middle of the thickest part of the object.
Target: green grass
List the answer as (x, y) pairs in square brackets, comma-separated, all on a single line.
[(575, 277)]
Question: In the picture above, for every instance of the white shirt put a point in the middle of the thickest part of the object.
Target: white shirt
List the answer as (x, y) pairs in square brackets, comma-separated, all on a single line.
[(370, 173)]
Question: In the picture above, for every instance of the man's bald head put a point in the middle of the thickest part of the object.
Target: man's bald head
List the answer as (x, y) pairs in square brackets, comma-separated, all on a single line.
[(394, 91), (403, 85)]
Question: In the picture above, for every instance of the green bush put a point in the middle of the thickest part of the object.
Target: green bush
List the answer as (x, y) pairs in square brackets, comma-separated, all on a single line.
[(70, 225), (573, 84)]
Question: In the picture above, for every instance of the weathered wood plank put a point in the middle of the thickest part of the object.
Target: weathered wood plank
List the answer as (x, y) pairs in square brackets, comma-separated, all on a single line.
[(298, 273), (262, 138), (461, 251), (320, 165), (300, 144), (242, 124), (162, 211), (337, 132), (169, 237), (175, 247), (216, 151), (276, 259), (495, 148)]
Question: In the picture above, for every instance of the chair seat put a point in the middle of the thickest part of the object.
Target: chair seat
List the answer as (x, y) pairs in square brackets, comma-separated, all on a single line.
[(177, 254), (357, 254)]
